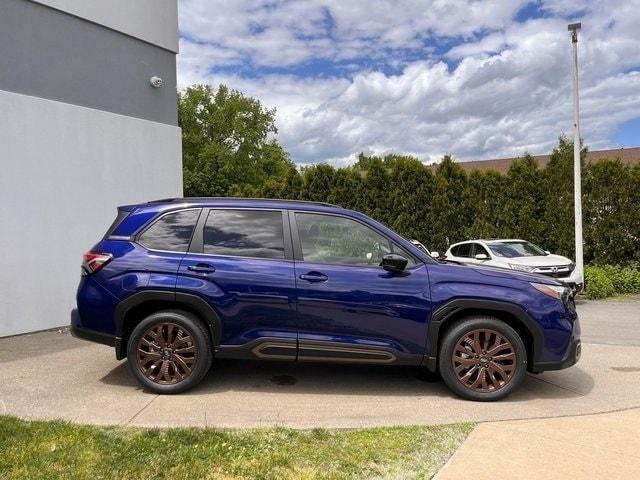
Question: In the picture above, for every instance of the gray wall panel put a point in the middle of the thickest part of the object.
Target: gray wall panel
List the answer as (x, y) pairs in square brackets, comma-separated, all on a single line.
[(155, 21), (50, 54), (65, 168)]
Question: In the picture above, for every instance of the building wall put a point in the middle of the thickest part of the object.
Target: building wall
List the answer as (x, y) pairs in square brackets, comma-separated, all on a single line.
[(154, 21), (50, 54), (76, 141)]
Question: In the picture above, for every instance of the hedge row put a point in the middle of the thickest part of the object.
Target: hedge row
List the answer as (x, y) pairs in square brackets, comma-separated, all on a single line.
[(445, 204), (604, 281)]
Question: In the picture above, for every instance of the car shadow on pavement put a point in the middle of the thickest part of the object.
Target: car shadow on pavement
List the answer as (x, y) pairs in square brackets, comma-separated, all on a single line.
[(340, 379)]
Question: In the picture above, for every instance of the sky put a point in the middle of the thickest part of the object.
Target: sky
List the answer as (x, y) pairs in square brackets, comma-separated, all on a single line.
[(475, 79)]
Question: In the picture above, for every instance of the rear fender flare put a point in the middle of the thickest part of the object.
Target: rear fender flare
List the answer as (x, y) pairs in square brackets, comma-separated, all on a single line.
[(191, 302)]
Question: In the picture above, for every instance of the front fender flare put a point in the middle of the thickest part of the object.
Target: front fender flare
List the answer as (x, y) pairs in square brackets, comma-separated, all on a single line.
[(448, 311)]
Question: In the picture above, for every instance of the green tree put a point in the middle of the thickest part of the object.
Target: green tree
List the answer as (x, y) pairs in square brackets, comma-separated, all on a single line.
[(447, 217), (411, 190), (558, 216), (610, 218), (483, 201), (317, 182), (522, 208), (226, 141)]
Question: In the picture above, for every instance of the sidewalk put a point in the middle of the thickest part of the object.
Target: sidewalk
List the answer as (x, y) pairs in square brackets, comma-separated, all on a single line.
[(603, 446)]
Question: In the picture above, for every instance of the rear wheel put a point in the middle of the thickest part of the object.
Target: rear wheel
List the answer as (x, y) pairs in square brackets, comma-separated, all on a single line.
[(169, 352), (482, 358)]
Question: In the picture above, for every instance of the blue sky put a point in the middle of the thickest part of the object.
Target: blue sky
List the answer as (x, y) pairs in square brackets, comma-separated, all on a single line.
[(476, 79)]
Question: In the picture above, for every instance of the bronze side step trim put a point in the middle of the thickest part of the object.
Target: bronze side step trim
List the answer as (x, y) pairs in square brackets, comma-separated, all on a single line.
[(334, 353)]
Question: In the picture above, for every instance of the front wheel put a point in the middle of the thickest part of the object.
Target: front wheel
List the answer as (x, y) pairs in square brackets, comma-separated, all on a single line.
[(482, 359), (169, 352)]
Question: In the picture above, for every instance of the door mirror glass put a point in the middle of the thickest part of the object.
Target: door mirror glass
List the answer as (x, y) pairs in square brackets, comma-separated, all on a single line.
[(482, 256), (393, 262)]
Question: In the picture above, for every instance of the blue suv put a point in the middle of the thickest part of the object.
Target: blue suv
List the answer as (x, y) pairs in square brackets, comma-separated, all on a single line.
[(175, 283)]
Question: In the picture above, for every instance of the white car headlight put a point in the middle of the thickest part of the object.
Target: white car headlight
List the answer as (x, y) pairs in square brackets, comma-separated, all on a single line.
[(553, 291), (521, 268)]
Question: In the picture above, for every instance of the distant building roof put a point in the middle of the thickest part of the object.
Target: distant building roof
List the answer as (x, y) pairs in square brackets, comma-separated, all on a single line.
[(630, 156)]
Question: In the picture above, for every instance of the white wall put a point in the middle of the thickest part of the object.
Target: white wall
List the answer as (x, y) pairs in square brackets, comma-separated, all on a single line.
[(154, 21), (63, 171)]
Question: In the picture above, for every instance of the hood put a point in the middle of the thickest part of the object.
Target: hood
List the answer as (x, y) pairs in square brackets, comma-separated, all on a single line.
[(539, 260), (514, 275)]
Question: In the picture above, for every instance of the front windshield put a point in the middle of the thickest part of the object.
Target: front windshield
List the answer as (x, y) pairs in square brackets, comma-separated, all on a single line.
[(516, 249)]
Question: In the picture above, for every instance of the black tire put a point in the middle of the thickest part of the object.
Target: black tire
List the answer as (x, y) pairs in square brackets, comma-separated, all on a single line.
[(503, 370), (183, 342)]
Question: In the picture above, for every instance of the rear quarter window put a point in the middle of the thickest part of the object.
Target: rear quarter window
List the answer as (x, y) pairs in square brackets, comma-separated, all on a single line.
[(172, 232), (122, 214)]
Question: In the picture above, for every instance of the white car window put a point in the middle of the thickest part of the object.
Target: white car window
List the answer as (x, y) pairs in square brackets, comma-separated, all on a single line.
[(463, 250), (516, 249)]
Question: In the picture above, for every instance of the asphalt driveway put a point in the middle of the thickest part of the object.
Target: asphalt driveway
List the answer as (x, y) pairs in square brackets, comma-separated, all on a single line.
[(53, 375)]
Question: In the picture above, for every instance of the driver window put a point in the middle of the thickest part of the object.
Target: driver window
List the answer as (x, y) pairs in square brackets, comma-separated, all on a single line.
[(339, 240)]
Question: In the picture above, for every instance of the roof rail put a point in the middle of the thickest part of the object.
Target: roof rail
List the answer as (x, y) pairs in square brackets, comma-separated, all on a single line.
[(196, 199)]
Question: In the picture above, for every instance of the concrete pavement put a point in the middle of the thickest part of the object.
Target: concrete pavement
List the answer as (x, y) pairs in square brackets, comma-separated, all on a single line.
[(605, 446), (51, 375)]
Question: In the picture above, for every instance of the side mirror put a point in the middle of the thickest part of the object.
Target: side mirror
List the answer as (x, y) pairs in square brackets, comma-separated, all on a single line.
[(393, 263), (547, 252), (482, 256), (435, 254)]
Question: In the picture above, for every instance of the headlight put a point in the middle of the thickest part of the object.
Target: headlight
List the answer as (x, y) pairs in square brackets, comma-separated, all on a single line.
[(521, 268), (553, 291)]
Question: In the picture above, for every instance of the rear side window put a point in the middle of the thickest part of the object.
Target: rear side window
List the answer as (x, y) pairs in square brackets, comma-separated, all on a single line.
[(171, 232), (463, 250), (244, 233)]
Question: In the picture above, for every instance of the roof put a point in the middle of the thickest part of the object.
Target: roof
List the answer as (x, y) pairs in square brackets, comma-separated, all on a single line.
[(630, 156), (219, 200), (489, 240)]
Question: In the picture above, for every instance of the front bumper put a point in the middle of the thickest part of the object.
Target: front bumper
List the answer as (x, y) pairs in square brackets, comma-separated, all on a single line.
[(574, 351)]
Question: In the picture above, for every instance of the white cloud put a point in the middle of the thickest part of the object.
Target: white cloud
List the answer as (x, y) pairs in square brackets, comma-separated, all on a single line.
[(503, 90)]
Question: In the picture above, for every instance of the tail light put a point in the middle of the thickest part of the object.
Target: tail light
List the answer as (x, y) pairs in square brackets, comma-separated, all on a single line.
[(93, 261)]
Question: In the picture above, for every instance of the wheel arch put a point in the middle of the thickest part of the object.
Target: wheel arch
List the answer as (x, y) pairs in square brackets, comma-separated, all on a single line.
[(513, 315), (136, 307)]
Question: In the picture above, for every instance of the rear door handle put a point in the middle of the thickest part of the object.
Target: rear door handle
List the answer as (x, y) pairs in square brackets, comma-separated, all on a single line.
[(202, 268), (314, 277)]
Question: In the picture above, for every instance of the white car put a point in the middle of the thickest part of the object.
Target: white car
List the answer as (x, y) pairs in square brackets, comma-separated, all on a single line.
[(423, 248), (514, 254)]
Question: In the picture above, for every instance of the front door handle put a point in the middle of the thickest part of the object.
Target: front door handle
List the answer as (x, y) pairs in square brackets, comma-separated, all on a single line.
[(202, 268), (314, 277)]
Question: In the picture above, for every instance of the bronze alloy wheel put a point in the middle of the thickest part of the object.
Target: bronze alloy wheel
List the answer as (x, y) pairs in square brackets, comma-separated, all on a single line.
[(167, 353), (484, 360)]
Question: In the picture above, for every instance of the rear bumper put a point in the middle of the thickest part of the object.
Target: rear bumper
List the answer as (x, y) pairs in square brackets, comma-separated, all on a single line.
[(92, 335), (574, 351)]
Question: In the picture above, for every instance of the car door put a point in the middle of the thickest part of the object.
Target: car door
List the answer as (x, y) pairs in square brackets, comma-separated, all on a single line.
[(350, 308), (462, 253), (241, 262)]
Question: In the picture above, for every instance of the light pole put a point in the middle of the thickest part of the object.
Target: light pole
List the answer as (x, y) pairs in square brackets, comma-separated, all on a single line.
[(577, 176)]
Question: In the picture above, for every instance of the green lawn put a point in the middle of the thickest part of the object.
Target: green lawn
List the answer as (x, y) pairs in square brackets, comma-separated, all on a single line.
[(63, 450)]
